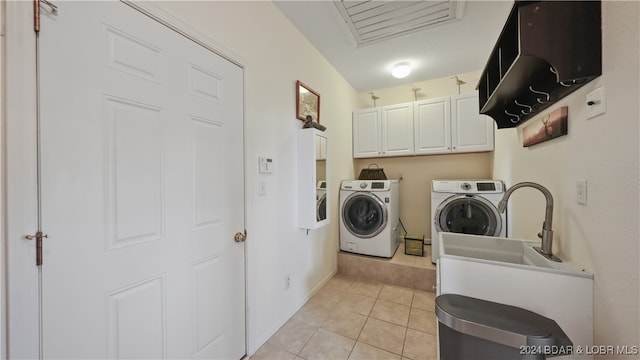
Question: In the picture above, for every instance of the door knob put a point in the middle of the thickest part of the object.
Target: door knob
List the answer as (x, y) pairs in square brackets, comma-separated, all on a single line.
[(240, 237)]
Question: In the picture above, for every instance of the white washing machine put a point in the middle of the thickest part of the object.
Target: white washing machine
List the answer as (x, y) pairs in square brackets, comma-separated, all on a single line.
[(321, 200), (370, 217), (467, 207)]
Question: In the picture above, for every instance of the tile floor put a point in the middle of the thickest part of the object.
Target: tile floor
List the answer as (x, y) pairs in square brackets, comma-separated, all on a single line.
[(358, 319)]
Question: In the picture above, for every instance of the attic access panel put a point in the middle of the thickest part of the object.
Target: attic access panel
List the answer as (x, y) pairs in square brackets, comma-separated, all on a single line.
[(370, 21)]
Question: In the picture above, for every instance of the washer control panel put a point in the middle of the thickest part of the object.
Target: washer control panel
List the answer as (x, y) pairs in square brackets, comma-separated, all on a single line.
[(366, 185), (468, 186)]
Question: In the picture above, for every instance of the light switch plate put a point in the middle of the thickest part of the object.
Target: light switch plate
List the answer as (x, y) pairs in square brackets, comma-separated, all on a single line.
[(265, 165), (596, 103)]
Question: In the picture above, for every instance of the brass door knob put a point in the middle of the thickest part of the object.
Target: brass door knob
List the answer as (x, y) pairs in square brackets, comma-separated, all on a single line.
[(240, 237)]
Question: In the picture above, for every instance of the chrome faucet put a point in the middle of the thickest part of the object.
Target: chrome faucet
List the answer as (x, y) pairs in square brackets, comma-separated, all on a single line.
[(546, 234)]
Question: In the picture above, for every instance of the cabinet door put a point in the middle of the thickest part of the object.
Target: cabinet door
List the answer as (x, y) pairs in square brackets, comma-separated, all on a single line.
[(432, 126), (366, 133), (397, 130), (470, 130)]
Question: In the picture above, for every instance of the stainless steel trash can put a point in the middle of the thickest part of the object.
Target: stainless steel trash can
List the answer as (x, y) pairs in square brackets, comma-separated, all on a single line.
[(471, 328)]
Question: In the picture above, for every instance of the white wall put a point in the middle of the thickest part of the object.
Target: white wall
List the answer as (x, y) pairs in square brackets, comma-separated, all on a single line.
[(604, 235), (277, 55), (429, 89)]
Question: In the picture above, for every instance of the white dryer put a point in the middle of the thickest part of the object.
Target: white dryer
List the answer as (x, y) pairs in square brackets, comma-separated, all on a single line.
[(370, 217), (467, 207), (321, 200)]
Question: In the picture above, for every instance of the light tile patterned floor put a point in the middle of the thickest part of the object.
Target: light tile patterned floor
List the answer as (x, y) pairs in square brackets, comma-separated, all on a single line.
[(355, 319)]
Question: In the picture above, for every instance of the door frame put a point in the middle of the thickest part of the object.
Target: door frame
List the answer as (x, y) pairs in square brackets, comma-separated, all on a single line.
[(20, 330)]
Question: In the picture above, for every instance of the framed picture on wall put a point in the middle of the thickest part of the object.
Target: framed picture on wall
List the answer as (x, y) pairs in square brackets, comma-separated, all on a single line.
[(546, 128), (307, 102)]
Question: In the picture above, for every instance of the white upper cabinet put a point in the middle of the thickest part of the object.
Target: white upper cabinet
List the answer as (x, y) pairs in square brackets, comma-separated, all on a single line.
[(432, 126), (366, 133), (443, 125), (397, 129), (470, 130), (384, 131)]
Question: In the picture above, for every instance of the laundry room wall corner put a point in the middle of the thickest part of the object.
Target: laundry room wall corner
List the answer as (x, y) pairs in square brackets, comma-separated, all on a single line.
[(3, 270)]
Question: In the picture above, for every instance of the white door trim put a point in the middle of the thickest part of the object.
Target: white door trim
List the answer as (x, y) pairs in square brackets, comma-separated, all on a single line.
[(20, 289), (22, 294)]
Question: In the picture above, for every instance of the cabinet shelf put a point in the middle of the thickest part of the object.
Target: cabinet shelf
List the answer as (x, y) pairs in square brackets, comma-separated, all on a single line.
[(547, 50)]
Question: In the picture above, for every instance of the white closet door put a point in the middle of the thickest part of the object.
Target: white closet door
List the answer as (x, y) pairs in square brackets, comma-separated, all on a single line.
[(142, 187)]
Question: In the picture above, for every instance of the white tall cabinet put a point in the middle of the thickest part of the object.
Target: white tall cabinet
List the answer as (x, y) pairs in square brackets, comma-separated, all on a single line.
[(313, 169), (383, 131), (443, 125)]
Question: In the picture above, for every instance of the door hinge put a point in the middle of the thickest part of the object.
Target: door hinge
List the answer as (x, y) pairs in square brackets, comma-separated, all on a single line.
[(38, 237), (36, 12)]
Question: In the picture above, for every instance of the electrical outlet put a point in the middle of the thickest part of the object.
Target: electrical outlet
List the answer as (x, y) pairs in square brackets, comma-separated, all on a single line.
[(287, 282), (581, 192)]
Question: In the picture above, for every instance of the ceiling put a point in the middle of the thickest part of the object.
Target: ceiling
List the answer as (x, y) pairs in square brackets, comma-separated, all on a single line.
[(364, 39)]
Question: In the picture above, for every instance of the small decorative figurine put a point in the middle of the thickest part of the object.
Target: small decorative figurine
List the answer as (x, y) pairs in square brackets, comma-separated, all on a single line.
[(309, 123)]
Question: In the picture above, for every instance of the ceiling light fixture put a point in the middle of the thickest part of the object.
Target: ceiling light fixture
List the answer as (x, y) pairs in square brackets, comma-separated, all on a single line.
[(401, 70)]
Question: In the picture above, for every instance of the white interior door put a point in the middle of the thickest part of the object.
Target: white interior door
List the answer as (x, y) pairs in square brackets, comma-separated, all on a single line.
[(142, 190)]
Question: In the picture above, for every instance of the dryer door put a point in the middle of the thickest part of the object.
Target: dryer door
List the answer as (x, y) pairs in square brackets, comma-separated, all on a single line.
[(468, 215), (364, 214)]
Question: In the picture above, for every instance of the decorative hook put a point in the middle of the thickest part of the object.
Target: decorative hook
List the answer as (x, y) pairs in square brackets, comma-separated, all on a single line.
[(540, 93), (510, 114), (529, 110)]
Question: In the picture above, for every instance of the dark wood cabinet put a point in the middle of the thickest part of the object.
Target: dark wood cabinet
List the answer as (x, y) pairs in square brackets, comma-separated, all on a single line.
[(547, 49)]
